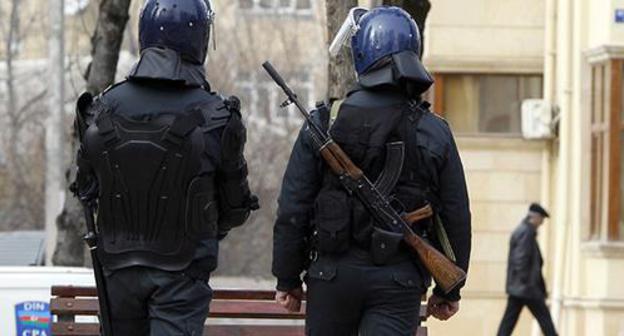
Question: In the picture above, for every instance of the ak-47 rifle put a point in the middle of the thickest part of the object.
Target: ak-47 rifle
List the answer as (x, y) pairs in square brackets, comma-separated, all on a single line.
[(100, 282), (446, 274)]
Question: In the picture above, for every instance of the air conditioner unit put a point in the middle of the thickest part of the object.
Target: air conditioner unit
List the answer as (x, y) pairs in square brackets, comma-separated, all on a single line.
[(536, 119)]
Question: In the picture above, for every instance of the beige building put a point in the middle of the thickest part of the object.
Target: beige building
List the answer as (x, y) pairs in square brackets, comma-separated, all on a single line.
[(488, 56)]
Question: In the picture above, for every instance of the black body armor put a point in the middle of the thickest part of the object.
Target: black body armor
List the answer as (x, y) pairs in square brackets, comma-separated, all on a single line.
[(154, 210)]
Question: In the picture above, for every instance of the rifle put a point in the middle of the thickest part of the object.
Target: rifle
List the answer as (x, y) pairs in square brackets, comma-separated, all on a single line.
[(446, 274), (100, 282)]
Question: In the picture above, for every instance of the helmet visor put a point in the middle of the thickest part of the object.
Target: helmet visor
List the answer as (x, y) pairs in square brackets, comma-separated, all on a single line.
[(349, 27)]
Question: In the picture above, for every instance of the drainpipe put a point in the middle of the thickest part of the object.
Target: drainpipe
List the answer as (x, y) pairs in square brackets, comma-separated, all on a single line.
[(563, 84), (550, 57)]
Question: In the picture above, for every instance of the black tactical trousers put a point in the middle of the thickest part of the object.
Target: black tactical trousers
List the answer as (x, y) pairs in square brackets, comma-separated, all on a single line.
[(538, 309), (350, 296), (146, 301)]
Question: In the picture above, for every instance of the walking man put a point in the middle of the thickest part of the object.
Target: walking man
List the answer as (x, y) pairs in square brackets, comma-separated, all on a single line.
[(525, 283), (161, 159), (362, 280)]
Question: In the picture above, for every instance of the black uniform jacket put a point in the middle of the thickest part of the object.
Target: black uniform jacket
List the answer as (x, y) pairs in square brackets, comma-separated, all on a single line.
[(303, 178), (524, 268)]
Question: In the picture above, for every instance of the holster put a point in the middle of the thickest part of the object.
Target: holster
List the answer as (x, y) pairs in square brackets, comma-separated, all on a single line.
[(384, 245)]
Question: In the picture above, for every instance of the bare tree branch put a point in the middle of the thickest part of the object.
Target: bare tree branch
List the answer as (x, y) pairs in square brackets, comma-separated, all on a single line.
[(26, 112)]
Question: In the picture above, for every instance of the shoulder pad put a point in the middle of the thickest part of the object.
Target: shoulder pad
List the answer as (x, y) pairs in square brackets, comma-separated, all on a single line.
[(88, 108), (437, 116), (321, 114), (440, 117), (216, 113), (82, 121), (82, 105), (425, 107), (112, 86), (233, 104)]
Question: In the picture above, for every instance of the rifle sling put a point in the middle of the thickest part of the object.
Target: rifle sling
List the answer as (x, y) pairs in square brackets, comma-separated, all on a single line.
[(443, 238)]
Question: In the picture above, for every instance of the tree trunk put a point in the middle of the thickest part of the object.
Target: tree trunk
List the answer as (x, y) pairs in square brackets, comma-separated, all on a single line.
[(341, 76), (55, 125), (15, 187), (418, 9), (106, 44)]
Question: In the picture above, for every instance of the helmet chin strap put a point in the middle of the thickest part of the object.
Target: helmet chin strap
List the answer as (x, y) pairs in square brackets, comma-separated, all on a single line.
[(347, 30)]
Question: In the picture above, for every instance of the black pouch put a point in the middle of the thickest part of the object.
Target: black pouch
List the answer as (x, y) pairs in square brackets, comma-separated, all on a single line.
[(362, 224), (333, 221), (384, 245)]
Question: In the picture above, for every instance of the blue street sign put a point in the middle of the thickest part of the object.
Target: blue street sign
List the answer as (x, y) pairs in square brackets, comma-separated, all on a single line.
[(32, 319), (619, 15)]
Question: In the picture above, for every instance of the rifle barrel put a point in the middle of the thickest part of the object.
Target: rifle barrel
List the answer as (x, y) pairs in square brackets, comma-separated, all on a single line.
[(292, 97)]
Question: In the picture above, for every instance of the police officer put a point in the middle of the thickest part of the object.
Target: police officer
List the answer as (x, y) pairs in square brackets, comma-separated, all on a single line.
[(162, 156), (355, 285)]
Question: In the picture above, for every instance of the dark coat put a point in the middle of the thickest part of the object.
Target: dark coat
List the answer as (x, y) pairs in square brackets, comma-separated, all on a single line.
[(441, 165), (524, 268)]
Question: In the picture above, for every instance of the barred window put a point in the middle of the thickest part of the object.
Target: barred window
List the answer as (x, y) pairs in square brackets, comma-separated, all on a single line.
[(264, 97), (484, 103), (606, 150)]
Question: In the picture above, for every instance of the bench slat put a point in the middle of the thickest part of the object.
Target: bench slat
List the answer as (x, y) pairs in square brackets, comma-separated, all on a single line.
[(67, 306), (75, 329), (93, 329), (253, 330), (253, 310), (218, 309), (225, 294)]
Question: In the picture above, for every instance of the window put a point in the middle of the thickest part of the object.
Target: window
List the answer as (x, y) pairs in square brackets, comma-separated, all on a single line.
[(263, 97), (484, 104), (606, 150), (296, 7)]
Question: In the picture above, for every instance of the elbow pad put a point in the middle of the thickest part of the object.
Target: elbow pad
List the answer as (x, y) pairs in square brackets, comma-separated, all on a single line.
[(235, 199)]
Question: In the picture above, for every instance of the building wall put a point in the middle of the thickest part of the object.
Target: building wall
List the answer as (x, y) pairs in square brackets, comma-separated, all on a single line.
[(504, 175), (591, 295), (485, 35), (504, 172)]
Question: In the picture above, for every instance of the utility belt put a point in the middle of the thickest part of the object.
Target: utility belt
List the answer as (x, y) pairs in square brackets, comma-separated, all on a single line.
[(385, 247)]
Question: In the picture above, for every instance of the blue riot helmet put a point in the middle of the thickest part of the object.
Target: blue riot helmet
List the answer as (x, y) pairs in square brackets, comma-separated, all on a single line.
[(382, 32), (180, 25), (386, 45)]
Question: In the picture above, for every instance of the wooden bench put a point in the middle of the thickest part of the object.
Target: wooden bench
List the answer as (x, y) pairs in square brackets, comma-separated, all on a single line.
[(68, 302)]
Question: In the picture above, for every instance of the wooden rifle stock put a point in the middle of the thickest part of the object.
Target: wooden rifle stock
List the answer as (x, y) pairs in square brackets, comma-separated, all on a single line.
[(339, 162), (446, 274)]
